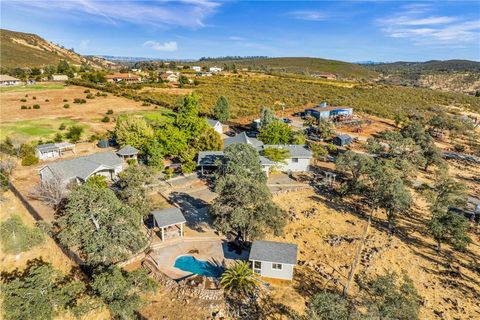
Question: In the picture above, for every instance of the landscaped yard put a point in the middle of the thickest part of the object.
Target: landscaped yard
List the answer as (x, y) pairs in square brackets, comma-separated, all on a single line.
[(32, 87), (36, 129), (56, 106)]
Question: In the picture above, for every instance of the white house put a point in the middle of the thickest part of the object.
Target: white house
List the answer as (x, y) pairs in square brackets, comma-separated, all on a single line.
[(299, 157), (215, 69), (59, 77), (53, 150), (170, 76), (197, 68), (273, 259), (80, 169), (6, 80), (216, 125)]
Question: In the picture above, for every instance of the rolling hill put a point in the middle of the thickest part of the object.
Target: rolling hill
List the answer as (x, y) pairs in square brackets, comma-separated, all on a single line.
[(18, 49), (449, 75), (296, 65)]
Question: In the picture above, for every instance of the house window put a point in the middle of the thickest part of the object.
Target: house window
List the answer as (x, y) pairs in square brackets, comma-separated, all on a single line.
[(276, 266), (295, 160), (257, 267)]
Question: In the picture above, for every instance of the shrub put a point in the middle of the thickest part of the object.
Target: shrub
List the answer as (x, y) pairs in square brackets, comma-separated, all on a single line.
[(110, 111), (86, 91), (79, 101), (16, 237), (65, 100), (34, 98), (27, 154), (26, 95), (36, 106), (47, 100), (74, 133), (106, 119), (93, 138), (131, 162), (66, 106), (90, 96), (62, 126), (145, 104), (459, 148), (23, 100), (23, 107)]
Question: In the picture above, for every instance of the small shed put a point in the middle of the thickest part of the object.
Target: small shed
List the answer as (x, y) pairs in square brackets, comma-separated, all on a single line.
[(273, 259), (170, 221), (342, 140), (127, 153)]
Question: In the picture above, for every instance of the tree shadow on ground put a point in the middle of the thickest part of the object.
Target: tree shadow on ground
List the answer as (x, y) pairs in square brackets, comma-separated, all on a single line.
[(195, 211)]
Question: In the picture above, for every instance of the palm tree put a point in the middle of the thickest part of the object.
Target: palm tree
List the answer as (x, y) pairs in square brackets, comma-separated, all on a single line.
[(239, 279)]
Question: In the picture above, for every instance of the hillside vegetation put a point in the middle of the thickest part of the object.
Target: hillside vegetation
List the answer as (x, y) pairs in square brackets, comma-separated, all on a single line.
[(248, 94), (450, 75), (296, 65), (18, 49)]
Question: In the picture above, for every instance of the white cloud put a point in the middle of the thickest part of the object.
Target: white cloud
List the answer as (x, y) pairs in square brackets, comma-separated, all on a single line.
[(169, 46), (161, 13), (310, 15), (415, 25), (235, 38)]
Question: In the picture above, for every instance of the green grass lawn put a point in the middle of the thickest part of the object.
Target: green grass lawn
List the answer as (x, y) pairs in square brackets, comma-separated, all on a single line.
[(28, 130), (32, 87), (159, 116)]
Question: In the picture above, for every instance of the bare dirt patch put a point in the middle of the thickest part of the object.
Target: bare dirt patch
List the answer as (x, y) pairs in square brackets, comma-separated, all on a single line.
[(328, 234)]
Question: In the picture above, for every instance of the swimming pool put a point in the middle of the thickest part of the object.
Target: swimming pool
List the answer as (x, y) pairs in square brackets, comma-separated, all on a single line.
[(196, 266)]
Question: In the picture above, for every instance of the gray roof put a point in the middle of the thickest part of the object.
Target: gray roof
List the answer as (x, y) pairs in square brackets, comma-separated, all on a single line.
[(264, 161), (54, 146), (271, 251), (209, 158), (168, 217), (343, 136), (127, 151), (213, 122), (242, 138), (6, 77), (295, 150), (84, 167)]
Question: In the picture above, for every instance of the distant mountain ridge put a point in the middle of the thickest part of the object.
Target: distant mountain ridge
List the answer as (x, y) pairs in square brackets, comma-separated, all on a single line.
[(19, 49), (297, 65), (427, 66)]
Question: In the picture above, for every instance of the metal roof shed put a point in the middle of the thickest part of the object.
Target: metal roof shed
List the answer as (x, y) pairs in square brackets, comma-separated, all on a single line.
[(342, 140), (167, 219)]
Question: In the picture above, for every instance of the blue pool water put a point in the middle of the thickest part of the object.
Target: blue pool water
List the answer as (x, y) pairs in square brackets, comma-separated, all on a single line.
[(201, 267)]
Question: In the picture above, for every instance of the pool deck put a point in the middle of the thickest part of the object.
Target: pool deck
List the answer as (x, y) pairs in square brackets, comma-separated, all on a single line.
[(214, 251)]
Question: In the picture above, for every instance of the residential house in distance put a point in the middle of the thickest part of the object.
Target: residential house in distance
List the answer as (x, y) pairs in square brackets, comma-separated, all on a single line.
[(203, 74), (216, 125), (215, 69), (323, 111), (299, 157), (6, 80), (125, 77), (197, 68), (273, 259), (80, 169), (170, 76), (211, 160), (127, 153), (59, 77), (53, 150), (342, 140)]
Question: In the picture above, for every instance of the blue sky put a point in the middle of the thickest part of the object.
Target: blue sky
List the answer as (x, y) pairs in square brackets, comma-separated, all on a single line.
[(342, 30)]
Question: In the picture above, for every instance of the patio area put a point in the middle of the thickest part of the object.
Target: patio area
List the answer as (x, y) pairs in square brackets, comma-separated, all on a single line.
[(215, 252)]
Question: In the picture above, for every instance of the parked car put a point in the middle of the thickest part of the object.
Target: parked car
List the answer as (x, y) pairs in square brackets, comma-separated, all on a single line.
[(230, 133)]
